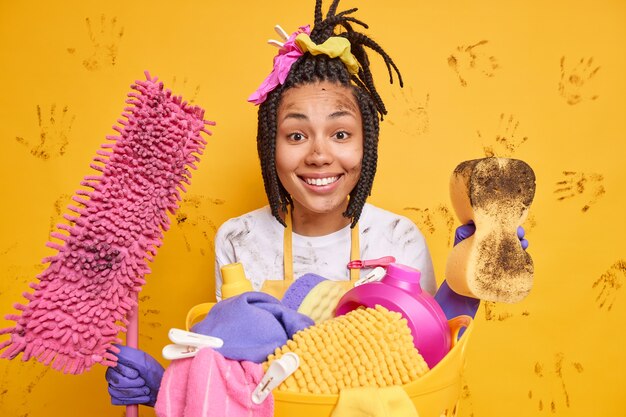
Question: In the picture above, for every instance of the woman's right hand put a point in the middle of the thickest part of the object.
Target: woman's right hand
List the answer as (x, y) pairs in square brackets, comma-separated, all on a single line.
[(136, 378)]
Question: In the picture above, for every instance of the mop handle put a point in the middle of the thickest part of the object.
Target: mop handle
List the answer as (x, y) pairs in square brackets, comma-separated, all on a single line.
[(132, 336)]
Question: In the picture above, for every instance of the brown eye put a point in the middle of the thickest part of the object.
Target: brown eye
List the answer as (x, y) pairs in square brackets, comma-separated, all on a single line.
[(296, 136), (341, 135)]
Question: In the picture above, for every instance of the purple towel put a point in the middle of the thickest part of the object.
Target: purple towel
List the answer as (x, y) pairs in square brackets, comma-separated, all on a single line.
[(252, 325)]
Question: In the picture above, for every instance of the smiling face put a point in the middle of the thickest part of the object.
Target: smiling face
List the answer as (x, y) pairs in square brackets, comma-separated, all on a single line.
[(319, 149)]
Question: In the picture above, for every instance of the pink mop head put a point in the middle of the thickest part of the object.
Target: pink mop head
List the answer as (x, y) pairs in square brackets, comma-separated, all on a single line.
[(72, 318)]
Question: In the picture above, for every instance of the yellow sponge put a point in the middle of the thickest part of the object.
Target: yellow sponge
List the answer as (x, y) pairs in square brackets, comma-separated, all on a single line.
[(320, 303), (495, 193), (364, 348)]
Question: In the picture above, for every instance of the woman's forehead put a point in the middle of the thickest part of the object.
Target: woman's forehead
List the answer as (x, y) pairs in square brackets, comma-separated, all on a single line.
[(324, 93)]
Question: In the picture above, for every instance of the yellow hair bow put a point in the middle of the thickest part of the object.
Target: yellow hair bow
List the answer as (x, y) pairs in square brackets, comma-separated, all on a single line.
[(334, 47)]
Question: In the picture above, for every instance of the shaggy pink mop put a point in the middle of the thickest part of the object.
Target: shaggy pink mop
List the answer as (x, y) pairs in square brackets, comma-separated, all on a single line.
[(72, 318)]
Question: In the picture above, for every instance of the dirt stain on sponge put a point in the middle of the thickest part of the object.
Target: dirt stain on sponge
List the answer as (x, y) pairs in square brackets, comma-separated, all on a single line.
[(500, 261), (506, 182)]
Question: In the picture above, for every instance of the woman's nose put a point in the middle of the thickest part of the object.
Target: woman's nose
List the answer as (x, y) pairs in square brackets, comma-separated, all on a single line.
[(319, 153)]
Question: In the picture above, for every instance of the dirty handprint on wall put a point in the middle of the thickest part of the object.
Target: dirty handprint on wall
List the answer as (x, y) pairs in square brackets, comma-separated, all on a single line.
[(104, 38), (506, 140), (414, 110), (185, 89), (497, 312), (587, 186), (574, 85), (26, 392), (54, 133), (150, 318), (193, 221), (551, 391), (466, 61), (608, 284)]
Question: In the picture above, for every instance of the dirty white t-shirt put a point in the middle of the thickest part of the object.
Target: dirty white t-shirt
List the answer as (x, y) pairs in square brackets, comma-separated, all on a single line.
[(256, 241)]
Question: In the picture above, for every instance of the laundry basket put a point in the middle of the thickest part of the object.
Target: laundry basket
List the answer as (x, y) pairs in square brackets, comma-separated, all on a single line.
[(435, 394)]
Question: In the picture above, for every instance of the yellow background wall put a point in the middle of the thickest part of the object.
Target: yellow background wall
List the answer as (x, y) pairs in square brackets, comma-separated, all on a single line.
[(540, 81)]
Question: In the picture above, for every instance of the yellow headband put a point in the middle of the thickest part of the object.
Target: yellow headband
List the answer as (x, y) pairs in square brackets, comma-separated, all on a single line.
[(334, 47)]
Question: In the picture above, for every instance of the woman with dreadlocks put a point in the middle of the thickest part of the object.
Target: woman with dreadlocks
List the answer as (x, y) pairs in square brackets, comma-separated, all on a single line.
[(317, 142)]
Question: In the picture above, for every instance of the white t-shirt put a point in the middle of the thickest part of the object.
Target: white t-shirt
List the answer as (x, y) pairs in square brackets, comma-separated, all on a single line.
[(256, 241)]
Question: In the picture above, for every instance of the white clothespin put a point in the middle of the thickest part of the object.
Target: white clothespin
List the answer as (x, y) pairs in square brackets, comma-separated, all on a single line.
[(278, 371), (282, 34), (187, 344), (376, 275)]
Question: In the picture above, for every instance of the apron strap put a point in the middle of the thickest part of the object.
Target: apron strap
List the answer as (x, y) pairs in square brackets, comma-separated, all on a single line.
[(288, 249), (355, 252)]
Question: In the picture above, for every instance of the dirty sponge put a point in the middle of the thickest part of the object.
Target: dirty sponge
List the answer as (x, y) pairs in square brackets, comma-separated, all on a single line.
[(494, 193), (368, 347)]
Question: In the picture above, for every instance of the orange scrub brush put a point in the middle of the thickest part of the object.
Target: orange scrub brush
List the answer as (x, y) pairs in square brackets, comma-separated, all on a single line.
[(72, 317)]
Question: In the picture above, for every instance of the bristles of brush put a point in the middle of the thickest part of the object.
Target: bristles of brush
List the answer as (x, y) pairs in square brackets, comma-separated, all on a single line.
[(81, 301)]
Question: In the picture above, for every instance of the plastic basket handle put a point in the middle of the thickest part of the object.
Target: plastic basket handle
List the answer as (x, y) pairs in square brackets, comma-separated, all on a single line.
[(195, 312), (456, 324)]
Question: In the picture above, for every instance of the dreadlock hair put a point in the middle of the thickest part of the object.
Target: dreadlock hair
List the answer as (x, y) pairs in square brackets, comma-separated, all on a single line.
[(309, 69)]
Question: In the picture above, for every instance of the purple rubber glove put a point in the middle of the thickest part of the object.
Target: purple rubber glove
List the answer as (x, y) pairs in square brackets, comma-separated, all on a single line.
[(136, 378), (520, 234), (454, 304), (465, 231)]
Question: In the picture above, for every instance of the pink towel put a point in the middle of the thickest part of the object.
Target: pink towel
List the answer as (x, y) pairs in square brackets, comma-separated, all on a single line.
[(209, 385), (173, 392)]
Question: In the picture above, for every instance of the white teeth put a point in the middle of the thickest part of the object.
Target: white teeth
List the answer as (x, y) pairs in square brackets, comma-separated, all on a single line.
[(321, 181)]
